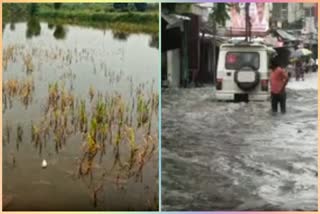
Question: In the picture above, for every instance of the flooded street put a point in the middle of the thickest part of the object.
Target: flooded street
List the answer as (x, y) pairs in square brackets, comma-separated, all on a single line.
[(70, 97), (237, 156)]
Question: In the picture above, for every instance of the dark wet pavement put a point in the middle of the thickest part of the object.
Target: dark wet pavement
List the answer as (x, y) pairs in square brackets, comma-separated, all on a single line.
[(237, 156)]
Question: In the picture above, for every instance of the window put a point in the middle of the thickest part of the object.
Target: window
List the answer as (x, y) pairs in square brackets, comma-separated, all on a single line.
[(236, 60)]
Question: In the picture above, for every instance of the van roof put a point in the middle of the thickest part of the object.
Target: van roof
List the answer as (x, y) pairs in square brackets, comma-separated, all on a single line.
[(259, 46), (244, 44)]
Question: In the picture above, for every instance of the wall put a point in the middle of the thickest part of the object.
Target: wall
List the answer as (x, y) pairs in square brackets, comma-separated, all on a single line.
[(295, 12), (173, 65)]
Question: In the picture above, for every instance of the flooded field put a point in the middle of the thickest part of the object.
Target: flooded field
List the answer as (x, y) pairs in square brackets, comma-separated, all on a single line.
[(84, 100), (238, 156)]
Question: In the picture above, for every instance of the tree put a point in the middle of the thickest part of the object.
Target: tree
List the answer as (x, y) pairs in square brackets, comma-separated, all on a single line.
[(33, 9), (57, 6), (141, 6), (219, 14), (120, 6)]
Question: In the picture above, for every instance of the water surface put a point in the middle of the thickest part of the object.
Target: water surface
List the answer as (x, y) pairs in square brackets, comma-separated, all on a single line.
[(237, 156), (78, 58)]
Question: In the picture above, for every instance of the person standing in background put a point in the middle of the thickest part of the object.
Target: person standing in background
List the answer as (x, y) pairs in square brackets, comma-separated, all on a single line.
[(311, 64), (299, 70)]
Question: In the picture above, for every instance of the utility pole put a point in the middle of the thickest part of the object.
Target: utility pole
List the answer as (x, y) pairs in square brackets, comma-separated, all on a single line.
[(185, 62), (214, 31), (248, 23)]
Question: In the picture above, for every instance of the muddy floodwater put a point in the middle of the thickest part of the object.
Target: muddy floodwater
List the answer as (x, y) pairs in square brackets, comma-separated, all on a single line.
[(237, 156), (85, 101)]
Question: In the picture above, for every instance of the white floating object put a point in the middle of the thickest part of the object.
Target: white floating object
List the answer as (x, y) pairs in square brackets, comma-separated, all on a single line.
[(44, 164)]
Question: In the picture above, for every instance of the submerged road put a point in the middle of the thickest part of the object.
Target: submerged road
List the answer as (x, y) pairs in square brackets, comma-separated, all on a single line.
[(238, 156)]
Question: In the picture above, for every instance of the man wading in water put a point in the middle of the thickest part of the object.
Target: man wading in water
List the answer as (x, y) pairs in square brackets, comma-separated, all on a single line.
[(278, 81)]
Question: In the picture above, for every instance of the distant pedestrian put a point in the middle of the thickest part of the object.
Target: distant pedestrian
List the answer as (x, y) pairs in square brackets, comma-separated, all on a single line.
[(306, 66), (299, 70), (312, 64), (278, 80)]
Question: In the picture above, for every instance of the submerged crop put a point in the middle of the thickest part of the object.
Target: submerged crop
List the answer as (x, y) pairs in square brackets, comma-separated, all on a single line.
[(108, 130), (85, 111)]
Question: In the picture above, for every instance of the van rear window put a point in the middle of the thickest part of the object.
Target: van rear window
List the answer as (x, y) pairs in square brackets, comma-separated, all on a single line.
[(236, 60)]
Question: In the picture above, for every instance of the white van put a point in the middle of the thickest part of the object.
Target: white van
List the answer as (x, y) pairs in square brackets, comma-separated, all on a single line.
[(243, 71)]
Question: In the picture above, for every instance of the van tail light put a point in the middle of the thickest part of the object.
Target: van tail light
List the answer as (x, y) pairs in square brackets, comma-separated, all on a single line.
[(219, 84), (264, 85)]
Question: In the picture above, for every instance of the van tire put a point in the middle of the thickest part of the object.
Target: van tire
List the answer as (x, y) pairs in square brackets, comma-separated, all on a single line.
[(247, 86)]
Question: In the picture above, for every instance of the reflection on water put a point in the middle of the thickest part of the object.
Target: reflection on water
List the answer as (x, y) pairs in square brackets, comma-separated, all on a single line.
[(50, 25), (12, 26), (87, 104), (154, 41), (33, 27), (59, 32), (120, 35)]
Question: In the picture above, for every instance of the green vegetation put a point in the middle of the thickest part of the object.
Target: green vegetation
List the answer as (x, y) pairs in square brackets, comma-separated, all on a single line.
[(129, 17), (220, 14), (124, 22), (33, 9), (87, 14)]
